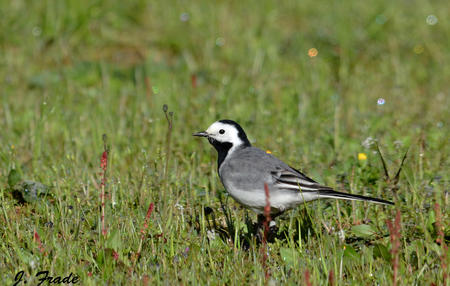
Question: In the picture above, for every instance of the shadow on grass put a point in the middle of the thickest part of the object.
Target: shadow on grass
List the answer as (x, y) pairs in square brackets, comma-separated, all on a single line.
[(303, 228)]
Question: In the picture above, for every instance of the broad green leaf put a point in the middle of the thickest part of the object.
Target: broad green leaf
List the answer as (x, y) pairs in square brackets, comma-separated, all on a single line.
[(114, 241), (287, 255), (431, 220), (363, 230), (381, 251), (13, 178), (350, 254)]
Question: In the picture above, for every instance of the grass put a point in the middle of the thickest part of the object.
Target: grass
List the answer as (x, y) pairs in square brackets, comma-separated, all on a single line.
[(72, 71)]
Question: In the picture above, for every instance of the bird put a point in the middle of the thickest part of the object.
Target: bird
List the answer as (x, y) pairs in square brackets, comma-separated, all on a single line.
[(244, 170)]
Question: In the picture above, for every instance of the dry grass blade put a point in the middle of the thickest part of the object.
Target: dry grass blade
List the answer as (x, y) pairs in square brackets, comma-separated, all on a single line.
[(397, 176), (386, 173), (169, 118)]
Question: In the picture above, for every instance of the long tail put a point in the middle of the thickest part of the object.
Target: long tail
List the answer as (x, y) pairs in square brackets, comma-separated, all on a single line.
[(328, 193)]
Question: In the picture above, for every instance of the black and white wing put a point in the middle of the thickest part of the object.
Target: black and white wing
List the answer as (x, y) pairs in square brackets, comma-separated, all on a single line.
[(294, 180)]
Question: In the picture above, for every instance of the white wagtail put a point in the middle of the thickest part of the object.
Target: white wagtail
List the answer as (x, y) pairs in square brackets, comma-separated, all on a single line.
[(244, 169)]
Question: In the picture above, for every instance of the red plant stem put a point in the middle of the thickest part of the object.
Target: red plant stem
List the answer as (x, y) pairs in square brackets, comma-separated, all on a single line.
[(394, 230), (147, 217), (103, 210), (267, 212), (145, 280), (144, 228), (104, 167), (331, 278), (441, 241), (307, 282), (115, 255), (194, 81), (38, 240), (266, 232)]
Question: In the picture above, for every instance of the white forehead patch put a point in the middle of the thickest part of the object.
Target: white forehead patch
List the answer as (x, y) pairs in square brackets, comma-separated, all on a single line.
[(223, 132)]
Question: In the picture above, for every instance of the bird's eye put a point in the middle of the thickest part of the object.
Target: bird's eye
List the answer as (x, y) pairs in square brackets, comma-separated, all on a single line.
[(221, 131)]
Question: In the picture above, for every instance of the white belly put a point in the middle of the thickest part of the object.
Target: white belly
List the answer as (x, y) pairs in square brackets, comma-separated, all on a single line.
[(279, 200)]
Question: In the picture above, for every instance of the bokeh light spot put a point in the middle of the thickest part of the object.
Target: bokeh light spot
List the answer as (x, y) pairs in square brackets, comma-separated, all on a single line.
[(220, 41), (380, 19), (184, 17), (313, 52), (418, 49), (37, 31), (432, 20)]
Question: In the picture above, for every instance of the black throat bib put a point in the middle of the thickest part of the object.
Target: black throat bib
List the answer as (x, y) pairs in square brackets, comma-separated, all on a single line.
[(222, 150)]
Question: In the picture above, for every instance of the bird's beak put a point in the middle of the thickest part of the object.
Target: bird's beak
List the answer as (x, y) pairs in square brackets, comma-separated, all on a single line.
[(200, 134)]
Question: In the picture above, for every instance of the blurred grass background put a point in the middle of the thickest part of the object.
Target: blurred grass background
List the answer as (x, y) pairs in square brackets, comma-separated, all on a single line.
[(71, 71)]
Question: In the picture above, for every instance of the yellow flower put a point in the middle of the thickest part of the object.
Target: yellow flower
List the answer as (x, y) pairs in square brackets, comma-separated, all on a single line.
[(362, 156), (268, 152)]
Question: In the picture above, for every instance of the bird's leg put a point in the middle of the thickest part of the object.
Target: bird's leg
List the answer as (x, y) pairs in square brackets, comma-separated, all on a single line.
[(261, 219), (259, 227), (271, 225)]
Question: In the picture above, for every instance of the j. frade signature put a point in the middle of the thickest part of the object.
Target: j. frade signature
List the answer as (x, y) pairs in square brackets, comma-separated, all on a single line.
[(43, 276)]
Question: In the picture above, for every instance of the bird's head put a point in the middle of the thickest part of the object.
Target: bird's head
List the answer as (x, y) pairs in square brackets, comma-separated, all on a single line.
[(225, 134)]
